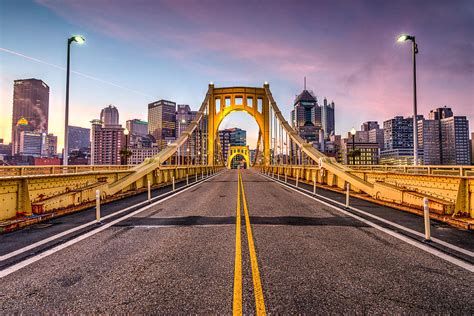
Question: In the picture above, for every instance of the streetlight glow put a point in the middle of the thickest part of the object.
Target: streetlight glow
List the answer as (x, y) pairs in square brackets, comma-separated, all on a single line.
[(402, 38), (353, 131), (125, 131), (78, 39)]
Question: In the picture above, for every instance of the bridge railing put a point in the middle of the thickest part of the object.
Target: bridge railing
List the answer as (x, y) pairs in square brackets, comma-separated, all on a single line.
[(12, 171), (467, 171), (26, 195)]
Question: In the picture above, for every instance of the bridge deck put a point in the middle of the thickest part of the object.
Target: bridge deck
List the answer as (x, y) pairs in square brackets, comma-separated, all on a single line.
[(178, 257)]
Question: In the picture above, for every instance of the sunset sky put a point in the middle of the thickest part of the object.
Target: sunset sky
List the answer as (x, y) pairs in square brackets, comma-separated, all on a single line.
[(137, 52)]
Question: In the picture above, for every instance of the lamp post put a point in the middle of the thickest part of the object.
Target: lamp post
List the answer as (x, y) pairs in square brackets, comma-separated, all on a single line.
[(78, 39), (353, 133), (125, 154), (403, 38), (179, 134)]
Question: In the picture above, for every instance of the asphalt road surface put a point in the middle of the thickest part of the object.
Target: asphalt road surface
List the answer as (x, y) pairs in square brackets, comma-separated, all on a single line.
[(179, 257)]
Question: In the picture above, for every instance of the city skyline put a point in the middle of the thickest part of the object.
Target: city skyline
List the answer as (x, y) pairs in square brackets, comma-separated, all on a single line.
[(362, 69)]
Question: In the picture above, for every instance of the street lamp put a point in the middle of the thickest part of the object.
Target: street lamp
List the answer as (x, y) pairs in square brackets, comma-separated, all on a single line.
[(353, 133), (80, 40), (126, 132), (403, 38)]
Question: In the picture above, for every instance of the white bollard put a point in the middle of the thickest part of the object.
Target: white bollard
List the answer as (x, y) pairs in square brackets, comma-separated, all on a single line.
[(426, 213), (97, 206), (149, 191), (187, 179), (297, 178), (172, 179), (314, 184), (347, 194), (196, 176), (278, 175), (202, 174), (286, 178)]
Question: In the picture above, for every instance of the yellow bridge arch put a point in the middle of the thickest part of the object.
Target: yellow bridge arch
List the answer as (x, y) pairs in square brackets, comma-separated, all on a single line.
[(236, 151), (223, 101)]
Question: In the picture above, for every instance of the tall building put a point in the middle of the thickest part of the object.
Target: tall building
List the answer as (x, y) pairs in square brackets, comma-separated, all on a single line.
[(455, 141), (79, 138), (306, 116), (232, 137), (162, 121), (31, 144), (137, 127), (30, 105), (440, 113), (398, 141), (184, 117), (328, 118), (376, 135), (428, 141), (369, 125), (49, 146), (106, 139), (109, 115)]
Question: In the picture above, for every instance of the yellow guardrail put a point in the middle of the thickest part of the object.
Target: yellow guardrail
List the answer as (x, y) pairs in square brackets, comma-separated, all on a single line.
[(448, 194), (26, 195), (12, 171), (466, 171)]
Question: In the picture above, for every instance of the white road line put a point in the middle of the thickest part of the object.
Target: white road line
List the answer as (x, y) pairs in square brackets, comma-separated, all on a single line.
[(71, 242), (399, 236), (67, 232), (414, 232)]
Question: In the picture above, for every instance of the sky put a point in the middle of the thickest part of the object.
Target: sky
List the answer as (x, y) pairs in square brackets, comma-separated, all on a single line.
[(137, 52)]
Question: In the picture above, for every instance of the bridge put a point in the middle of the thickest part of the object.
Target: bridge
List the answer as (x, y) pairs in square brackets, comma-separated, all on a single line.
[(297, 232)]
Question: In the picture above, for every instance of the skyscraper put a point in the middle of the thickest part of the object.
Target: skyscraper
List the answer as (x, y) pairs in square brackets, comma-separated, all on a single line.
[(30, 109), (455, 141), (137, 127), (184, 117), (106, 139), (429, 142), (306, 116), (398, 141), (109, 115), (162, 121), (328, 118)]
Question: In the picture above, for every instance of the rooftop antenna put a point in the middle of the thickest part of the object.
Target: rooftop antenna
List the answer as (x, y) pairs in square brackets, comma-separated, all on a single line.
[(305, 82)]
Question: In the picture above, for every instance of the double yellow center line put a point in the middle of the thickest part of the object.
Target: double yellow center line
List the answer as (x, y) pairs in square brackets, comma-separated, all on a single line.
[(257, 284)]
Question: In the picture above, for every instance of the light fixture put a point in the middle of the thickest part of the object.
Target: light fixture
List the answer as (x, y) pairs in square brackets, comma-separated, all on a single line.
[(126, 132), (353, 131), (78, 39)]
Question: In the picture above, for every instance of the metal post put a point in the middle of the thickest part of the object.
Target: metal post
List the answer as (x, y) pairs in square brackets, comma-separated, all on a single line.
[(415, 121), (426, 213), (297, 176), (66, 112), (97, 206), (314, 183), (202, 174), (149, 191), (278, 175), (187, 179), (286, 176), (172, 179), (196, 174), (348, 187)]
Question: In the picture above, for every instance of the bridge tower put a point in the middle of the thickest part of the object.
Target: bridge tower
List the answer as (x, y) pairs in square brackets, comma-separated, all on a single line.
[(223, 101)]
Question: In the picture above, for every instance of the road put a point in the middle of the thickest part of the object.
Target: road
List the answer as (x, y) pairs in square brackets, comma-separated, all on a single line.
[(179, 257)]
